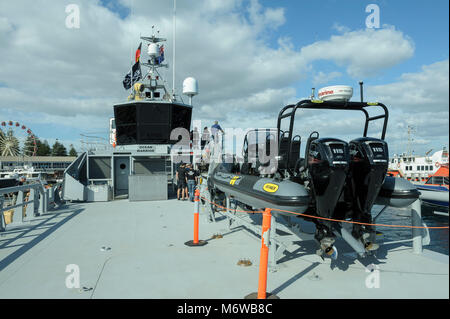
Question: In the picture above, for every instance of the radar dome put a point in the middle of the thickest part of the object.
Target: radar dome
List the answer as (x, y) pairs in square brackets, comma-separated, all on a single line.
[(335, 93), (153, 50), (190, 86)]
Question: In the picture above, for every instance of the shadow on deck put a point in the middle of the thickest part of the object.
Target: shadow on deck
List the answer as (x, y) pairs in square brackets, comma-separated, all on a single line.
[(25, 237)]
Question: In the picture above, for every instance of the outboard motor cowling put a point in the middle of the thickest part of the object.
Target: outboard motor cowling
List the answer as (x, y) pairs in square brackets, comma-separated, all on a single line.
[(328, 164), (369, 160)]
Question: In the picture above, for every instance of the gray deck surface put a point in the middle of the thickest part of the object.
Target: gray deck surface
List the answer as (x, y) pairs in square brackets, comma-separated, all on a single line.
[(148, 259)]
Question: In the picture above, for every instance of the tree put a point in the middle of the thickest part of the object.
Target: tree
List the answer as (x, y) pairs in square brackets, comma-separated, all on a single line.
[(58, 149), (43, 149), (28, 147), (72, 151)]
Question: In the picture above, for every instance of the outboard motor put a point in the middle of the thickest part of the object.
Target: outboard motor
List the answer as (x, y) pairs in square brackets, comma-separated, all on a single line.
[(369, 160), (328, 164)]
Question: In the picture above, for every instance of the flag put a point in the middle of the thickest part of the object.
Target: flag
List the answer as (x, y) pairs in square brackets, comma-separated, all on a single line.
[(137, 75), (161, 54), (138, 53)]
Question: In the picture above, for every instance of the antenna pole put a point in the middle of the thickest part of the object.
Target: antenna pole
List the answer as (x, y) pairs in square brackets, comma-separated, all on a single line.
[(131, 68), (174, 38), (410, 131), (361, 90)]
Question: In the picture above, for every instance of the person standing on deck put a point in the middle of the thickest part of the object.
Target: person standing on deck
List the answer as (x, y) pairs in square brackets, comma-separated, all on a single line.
[(191, 176), (215, 128), (205, 137), (181, 181), (195, 138)]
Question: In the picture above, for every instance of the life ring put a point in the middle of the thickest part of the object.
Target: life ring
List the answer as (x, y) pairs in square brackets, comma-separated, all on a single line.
[(437, 164)]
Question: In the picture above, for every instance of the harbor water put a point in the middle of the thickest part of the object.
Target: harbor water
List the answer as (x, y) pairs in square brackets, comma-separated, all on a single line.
[(439, 238)]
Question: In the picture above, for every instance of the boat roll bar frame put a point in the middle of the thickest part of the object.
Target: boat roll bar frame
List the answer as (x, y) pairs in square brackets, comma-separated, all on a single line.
[(330, 105)]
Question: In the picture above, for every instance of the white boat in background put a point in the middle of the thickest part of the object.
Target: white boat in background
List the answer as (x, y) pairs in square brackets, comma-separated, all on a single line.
[(418, 169), (25, 173), (434, 193)]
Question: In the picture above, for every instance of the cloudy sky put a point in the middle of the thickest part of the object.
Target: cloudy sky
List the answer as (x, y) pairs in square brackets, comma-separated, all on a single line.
[(250, 57)]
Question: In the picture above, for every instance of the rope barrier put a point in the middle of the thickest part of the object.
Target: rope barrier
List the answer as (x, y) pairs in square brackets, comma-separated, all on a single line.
[(330, 219)]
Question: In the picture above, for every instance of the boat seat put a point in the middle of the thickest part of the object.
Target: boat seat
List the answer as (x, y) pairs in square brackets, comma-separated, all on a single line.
[(245, 168), (295, 151), (304, 164), (283, 150), (266, 153)]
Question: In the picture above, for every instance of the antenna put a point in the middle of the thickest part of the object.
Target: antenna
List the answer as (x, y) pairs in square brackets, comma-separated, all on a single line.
[(131, 67), (173, 52), (411, 130), (312, 97), (361, 90)]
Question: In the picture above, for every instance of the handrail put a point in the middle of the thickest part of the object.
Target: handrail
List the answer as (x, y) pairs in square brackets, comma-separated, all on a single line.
[(31, 206), (14, 189)]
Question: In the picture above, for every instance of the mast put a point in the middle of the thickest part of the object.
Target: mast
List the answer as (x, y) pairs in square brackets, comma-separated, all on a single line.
[(131, 66), (174, 40), (155, 80), (410, 139)]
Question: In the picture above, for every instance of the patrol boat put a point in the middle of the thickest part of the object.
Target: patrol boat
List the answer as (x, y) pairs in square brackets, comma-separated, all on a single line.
[(117, 234)]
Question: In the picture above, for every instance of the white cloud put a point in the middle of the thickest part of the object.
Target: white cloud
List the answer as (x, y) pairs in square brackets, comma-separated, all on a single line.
[(340, 28), (265, 18), (363, 52), (417, 92), (420, 99), (323, 78), (74, 76)]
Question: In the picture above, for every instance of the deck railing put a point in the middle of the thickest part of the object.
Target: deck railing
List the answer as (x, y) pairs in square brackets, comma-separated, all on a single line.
[(22, 204)]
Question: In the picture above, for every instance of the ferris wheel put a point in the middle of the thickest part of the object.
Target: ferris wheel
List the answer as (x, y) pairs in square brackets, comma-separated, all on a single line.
[(16, 140)]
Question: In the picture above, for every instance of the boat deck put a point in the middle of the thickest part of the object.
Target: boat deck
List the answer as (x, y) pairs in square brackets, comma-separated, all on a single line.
[(144, 256)]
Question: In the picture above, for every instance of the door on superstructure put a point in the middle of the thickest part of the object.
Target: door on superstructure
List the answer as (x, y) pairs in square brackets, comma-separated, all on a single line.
[(121, 173)]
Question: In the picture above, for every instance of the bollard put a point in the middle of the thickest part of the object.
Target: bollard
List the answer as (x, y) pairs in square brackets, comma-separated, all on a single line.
[(196, 241), (264, 258)]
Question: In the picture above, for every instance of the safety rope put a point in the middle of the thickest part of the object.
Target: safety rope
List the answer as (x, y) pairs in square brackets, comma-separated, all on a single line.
[(328, 219)]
